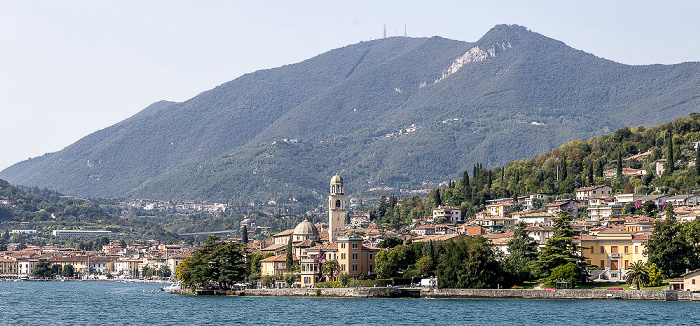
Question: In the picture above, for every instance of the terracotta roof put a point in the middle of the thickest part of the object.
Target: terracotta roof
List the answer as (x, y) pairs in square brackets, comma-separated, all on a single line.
[(285, 232), (615, 230), (278, 258)]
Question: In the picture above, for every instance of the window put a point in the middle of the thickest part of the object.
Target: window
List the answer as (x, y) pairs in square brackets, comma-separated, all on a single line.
[(636, 249), (602, 249), (342, 267), (592, 249), (354, 245), (602, 264), (342, 246), (370, 257), (342, 255), (371, 268), (627, 250), (627, 264), (354, 256), (692, 281), (613, 249), (354, 267)]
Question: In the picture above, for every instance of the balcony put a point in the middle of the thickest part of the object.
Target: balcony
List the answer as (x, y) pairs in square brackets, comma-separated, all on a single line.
[(615, 256)]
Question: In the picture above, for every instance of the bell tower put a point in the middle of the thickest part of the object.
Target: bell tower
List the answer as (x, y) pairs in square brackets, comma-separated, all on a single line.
[(336, 209)]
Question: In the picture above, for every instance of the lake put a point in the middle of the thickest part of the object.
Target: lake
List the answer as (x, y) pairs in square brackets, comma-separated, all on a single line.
[(113, 303)]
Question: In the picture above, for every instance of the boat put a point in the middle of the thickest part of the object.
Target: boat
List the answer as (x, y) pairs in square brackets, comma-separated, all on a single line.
[(174, 287)]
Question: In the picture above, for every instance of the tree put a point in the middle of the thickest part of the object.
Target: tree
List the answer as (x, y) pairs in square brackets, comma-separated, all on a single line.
[(42, 269), (655, 277), (68, 271), (289, 278), (469, 263), (244, 234), (216, 262), (290, 253), (637, 274), (564, 174), (671, 161), (619, 165), (559, 250), (668, 248), (390, 242), (523, 251), (697, 162), (569, 272), (344, 278), (330, 267), (466, 188)]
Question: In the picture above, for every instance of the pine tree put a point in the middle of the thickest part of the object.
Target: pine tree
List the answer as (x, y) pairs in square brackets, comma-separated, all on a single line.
[(559, 250)]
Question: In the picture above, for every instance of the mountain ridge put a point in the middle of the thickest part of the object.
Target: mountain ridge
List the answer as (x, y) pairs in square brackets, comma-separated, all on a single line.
[(351, 110)]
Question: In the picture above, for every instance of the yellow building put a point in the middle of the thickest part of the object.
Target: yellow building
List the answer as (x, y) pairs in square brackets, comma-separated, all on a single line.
[(275, 265), (613, 250), (352, 256)]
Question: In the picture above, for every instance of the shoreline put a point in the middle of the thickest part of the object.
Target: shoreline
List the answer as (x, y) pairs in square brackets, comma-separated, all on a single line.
[(426, 293)]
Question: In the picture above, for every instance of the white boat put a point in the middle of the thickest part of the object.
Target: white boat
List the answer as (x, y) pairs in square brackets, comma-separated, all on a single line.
[(172, 287)]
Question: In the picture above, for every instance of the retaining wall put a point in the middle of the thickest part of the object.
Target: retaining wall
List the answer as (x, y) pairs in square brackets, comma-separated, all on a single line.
[(386, 292), (556, 294)]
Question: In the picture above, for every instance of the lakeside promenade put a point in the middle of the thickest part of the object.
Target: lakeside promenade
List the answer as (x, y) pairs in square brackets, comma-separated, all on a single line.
[(399, 292)]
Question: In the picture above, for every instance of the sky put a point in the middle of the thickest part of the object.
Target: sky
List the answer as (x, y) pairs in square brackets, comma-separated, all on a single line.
[(70, 68)]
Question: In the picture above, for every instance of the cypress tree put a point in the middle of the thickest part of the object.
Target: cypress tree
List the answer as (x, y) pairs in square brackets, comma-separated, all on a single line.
[(244, 234), (590, 174), (489, 184), (697, 161), (438, 200), (467, 188), (563, 168), (290, 258), (619, 165), (671, 164)]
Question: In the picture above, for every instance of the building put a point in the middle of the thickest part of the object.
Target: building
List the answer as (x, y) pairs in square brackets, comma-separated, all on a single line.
[(691, 280), (451, 214), (586, 192), (275, 265), (499, 209), (424, 230), (336, 209), (613, 250), (352, 256), (80, 233), (565, 205), (533, 218), (496, 223), (305, 231)]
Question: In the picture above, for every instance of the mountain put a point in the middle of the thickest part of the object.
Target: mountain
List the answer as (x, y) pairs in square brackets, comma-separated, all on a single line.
[(399, 112)]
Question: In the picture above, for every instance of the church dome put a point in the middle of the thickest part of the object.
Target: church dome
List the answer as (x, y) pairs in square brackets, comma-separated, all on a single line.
[(305, 229), (336, 180)]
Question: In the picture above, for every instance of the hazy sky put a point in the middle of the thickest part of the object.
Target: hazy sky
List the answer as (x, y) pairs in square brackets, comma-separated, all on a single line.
[(69, 68)]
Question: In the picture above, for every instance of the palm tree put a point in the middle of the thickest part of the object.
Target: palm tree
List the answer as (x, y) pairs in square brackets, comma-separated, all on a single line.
[(637, 274), (329, 267)]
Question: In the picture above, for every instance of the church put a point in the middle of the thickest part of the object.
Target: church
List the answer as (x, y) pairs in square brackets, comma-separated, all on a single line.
[(311, 252)]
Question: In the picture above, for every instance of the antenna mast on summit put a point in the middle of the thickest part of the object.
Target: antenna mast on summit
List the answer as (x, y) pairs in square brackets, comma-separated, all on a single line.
[(384, 30), (404, 30)]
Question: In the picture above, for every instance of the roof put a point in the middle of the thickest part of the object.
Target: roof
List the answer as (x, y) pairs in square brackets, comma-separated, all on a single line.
[(278, 258), (285, 232), (591, 188), (336, 180), (305, 228)]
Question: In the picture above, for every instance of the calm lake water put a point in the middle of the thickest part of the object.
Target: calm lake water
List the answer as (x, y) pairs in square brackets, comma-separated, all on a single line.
[(112, 303)]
